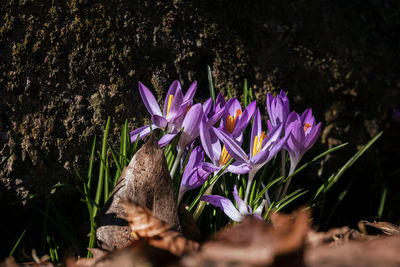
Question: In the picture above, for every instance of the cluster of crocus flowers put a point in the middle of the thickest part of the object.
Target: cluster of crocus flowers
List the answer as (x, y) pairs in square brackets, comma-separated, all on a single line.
[(215, 129)]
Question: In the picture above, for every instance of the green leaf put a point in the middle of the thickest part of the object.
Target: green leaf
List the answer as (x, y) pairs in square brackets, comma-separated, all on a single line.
[(102, 167), (89, 176), (290, 198), (211, 83), (262, 192), (351, 161), (245, 93)]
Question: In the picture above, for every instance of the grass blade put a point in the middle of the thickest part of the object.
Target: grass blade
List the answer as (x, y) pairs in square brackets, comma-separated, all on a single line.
[(351, 161), (262, 192), (382, 203), (211, 83), (315, 159), (102, 167), (89, 176), (289, 198), (20, 238), (245, 93)]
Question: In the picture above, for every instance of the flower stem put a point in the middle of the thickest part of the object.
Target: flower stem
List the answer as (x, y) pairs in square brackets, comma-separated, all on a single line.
[(176, 163), (202, 204), (283, 173), (252, 173), (283, 163), (292, 168)]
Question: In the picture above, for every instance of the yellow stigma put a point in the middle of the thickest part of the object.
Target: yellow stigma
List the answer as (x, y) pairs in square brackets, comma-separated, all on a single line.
[(306, 126), (170, 98), (223, 159), (231, 121), (258, 142)]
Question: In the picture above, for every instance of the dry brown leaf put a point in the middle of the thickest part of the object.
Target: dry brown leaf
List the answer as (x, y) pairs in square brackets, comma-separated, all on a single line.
[(147, 181), (188, 224), (144, 224), (139, 253), (380, 252), (254, 243), (386, 227)]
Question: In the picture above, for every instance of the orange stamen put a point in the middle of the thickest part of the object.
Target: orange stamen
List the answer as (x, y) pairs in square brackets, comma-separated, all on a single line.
[(306, 126), (170, 98), (231, 121), (258, 142), (224, 158)]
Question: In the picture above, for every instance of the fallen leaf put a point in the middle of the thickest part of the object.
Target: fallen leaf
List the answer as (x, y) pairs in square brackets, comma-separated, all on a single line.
[(254, 243), (188, 224), (146, 180), (386, 227), (139, 254), (379, 252), (144, 224)]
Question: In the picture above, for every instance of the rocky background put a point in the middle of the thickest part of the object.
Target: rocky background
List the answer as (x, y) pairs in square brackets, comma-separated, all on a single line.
[(67, 65)]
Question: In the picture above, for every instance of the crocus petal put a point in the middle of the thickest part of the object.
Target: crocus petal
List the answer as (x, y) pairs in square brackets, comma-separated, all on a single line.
[(210, 145), (207, 106), (239, 202), (193, 179), (149, 101), (231, 146), (195, 158), (238, 167), (260, 208), (307, 115), (272, 137), (259, 158), (232, 106), (166, 139), (256, 129), (225, 204), (245, 119), (143, 131), (276, 147), (190, 92), (209, 167), (175, 86), (177, 108), (159, 121), (191, 125), (312, 136), (219, 101), (269, 125), (278, 108), (215, 117)]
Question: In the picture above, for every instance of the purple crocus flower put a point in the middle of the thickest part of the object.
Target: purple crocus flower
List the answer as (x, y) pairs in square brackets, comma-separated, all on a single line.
[(236, 214), (213, 111), (191, 130), (195, 173), (175, 107), (278, 109), (262, 147), (303, 132), (218, 154), (234, 120)]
